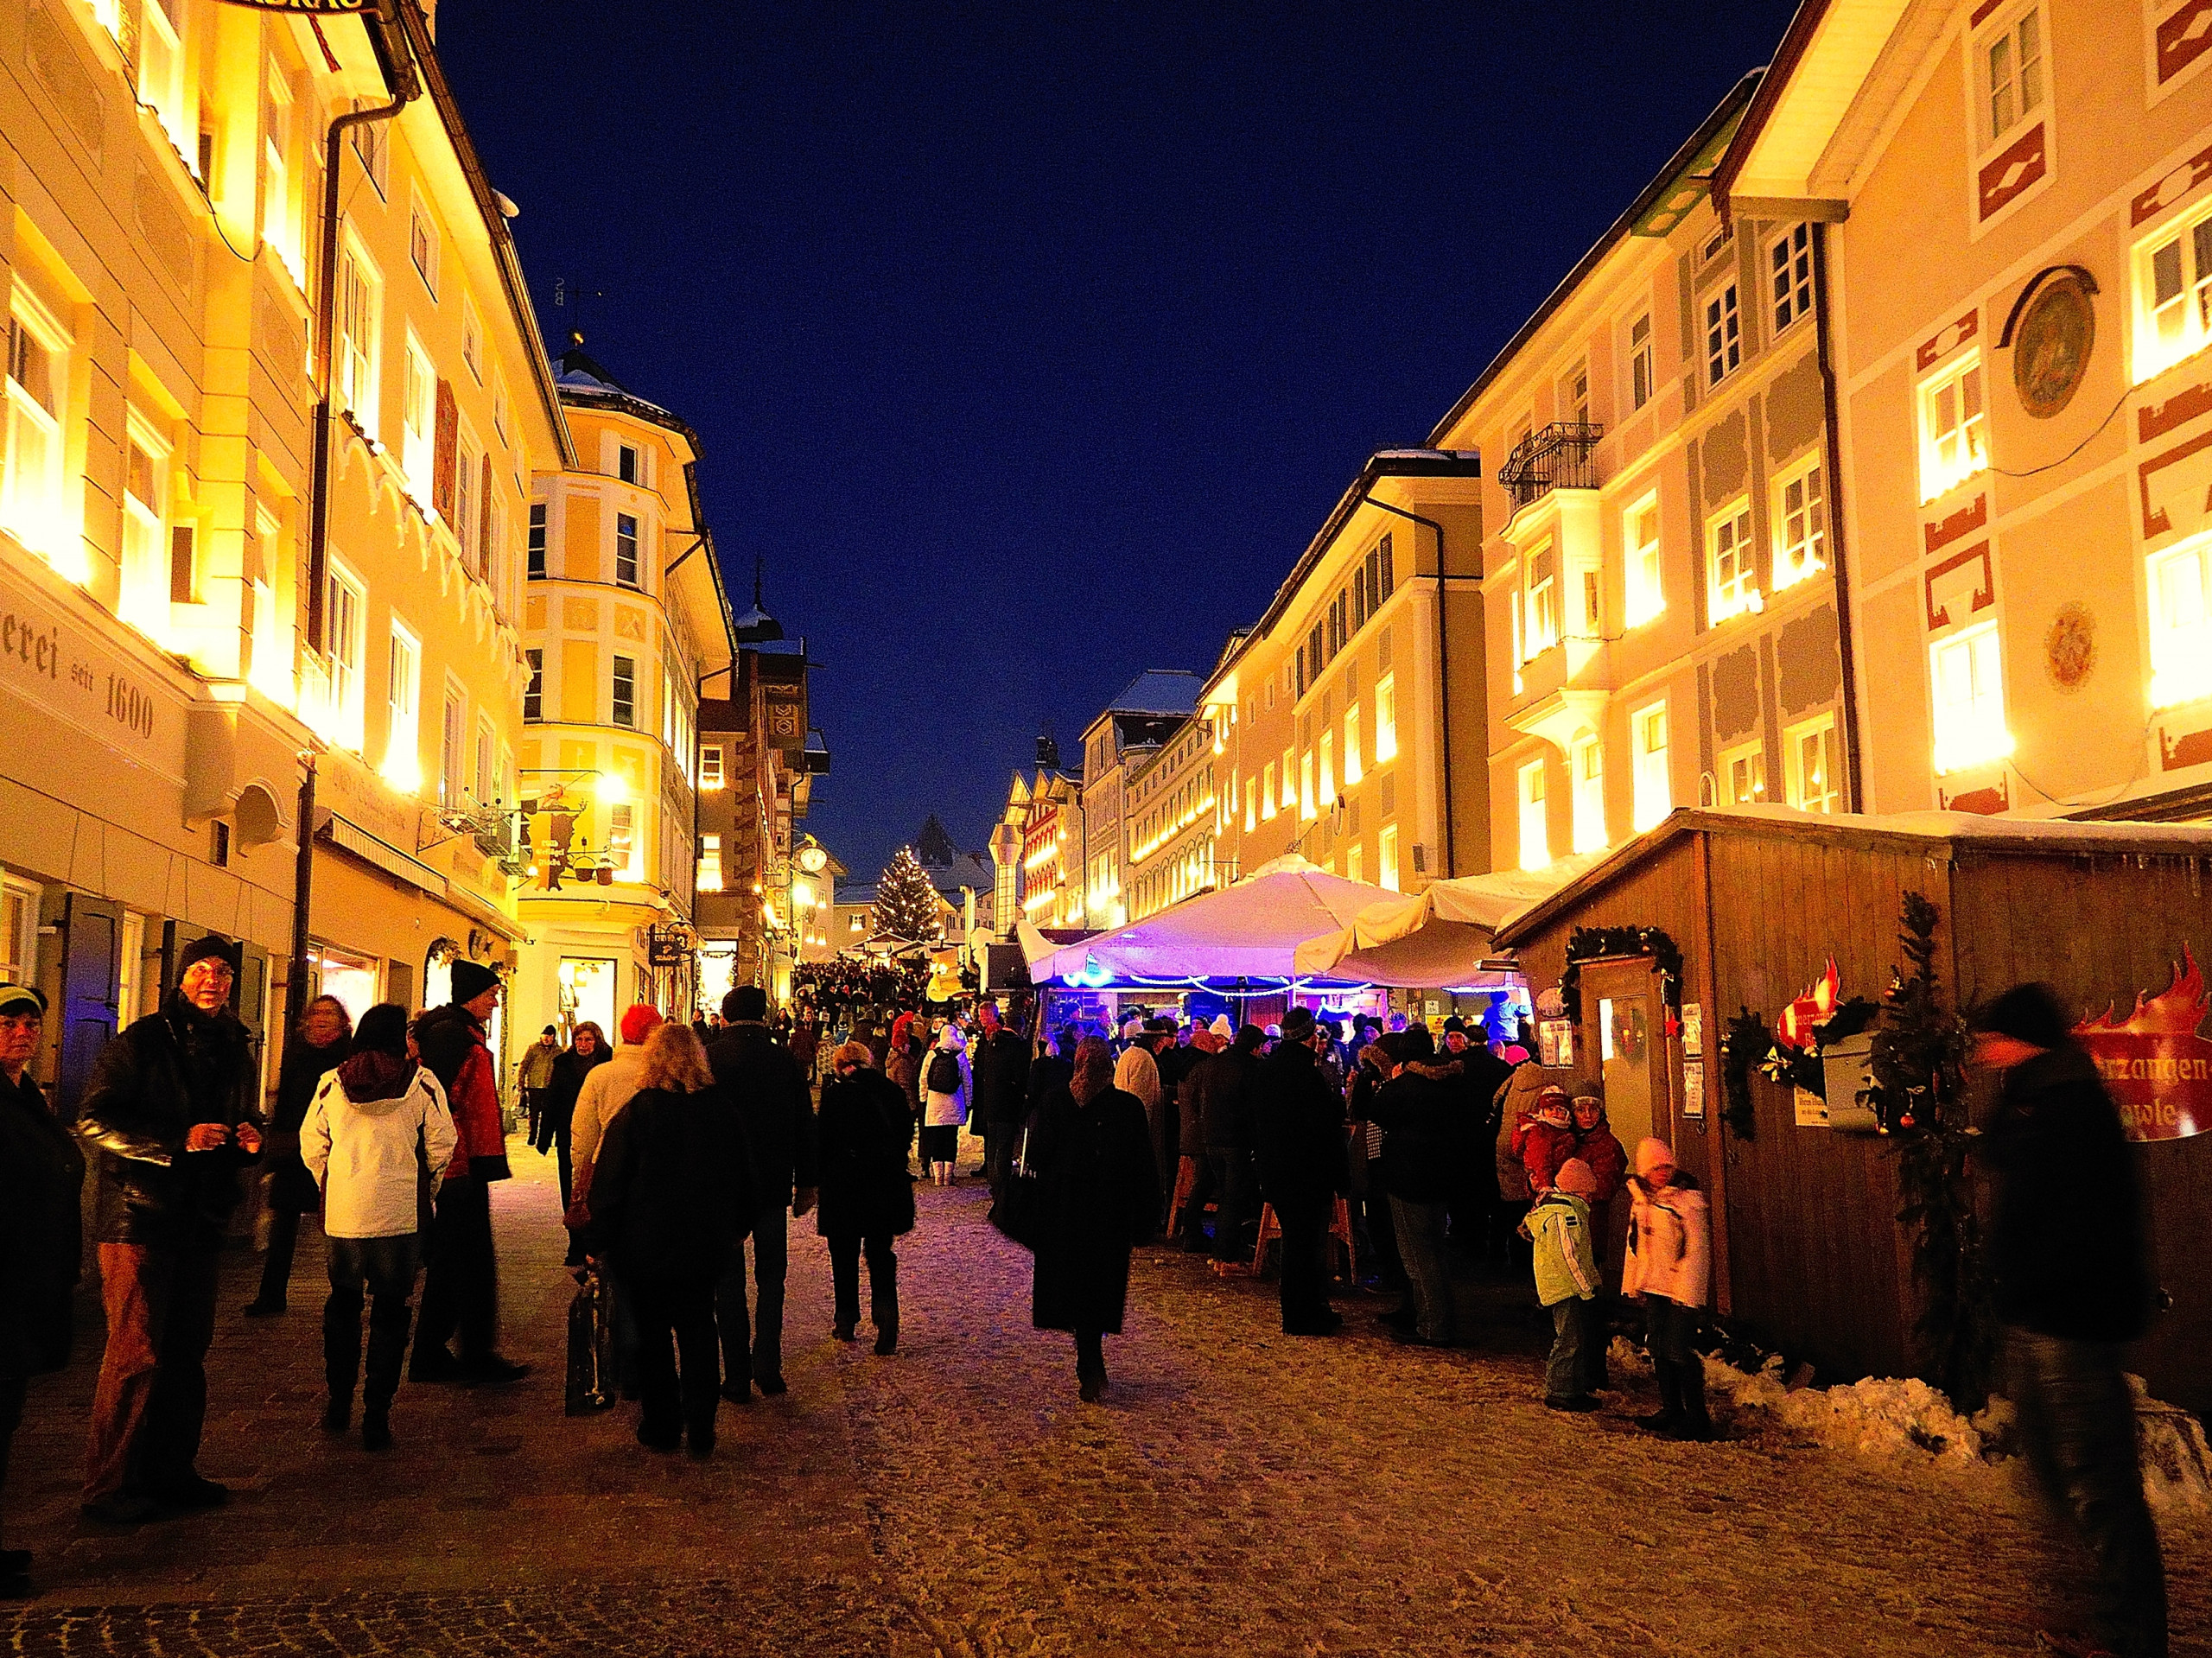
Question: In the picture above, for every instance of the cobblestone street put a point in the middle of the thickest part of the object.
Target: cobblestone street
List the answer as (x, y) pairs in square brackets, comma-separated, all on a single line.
[(1237, 1492)]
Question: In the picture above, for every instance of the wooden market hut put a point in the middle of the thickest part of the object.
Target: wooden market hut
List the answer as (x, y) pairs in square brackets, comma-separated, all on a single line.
[(1808, 1254)]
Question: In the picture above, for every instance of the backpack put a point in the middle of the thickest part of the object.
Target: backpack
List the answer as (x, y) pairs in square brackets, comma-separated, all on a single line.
[(944, 1072)]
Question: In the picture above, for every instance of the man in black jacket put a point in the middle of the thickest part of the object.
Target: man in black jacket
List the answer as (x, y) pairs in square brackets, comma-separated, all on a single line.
[(1298, 1134), (777, 1107), (1000, 1065), (2072, 1282), (1225, 1110), (171, 1110)]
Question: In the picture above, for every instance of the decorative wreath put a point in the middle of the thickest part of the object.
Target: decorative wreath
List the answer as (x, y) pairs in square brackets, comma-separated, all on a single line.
[(1594, 943)]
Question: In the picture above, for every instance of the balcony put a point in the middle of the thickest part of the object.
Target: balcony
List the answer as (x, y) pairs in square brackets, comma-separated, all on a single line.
[(1559, 456)]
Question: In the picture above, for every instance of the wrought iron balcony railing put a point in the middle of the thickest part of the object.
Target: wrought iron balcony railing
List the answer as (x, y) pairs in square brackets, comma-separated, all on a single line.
[(1558, 456)]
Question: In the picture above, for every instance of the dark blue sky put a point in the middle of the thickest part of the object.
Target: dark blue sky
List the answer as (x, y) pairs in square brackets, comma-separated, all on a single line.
[(1030, 346)]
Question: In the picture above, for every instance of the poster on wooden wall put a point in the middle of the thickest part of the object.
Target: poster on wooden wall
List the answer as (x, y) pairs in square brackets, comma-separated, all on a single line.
[(2158, 1067)]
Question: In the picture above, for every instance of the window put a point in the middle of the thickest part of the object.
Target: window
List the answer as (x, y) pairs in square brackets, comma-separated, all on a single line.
[(710, 767), (533, 696), (485, 780), (1386, 718), (1655, 793), (1386, 858), (1743, 775), (418, 420), (1541, 630), (472, 339), (423, 247), (622, 840), (1810, 751), (2173, 297), (626, 692), (464, 506), (1731, 580), (31, 491), (373, 145), (2012, 75), (1954, 445), (710, 868), (1267, 792), (626, 464), (403, 703), (500, 406), (1305, 806), (1355, 866), (1586, 763), (1969, 700), (1353, 770), (537, 543), (2181, 624), (1723, 336), (142, 599), (451, 779), (343, 613), (1327, 795), (1647, 595), (280, 216), (1800, 526), (1575, 395), (1641, 381), (357, 335), (161, 70), (1536, 849), (625, 548), (1251, 804), (1791, 267)]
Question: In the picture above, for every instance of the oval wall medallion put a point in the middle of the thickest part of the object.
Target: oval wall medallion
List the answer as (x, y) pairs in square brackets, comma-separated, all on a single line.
[(2052, 340), (2069, 649)]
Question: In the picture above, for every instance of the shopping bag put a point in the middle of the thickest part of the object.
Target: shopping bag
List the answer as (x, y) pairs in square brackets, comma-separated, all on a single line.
[(1019, 1211), (591, 1343)]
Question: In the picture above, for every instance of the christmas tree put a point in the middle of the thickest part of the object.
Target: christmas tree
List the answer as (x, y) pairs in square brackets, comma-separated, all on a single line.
[(905, 903)]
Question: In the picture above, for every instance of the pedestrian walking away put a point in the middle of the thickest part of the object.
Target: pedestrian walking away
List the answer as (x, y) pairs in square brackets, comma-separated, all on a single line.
[(375, 1122), (1226, 1106), (1419, 1111), (321, 1041), (2069, 1260), (42, 1238), (672, 1195), (1091, 1151), (1298, 1134), (460, 1291), (866, 1196), (776, 1108), (170, 1110), (947, 1083)]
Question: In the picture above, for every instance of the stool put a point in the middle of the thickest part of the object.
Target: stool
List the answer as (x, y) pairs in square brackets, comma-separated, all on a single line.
[(1339, 1232)]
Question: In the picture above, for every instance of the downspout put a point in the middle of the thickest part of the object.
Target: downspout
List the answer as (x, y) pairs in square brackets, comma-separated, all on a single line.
[(399, 78), (1443, 676), (1855, 796)]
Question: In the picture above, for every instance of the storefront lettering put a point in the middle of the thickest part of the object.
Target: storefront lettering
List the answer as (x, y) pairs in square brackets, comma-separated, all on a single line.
[(2158, 1069), (38, 650)]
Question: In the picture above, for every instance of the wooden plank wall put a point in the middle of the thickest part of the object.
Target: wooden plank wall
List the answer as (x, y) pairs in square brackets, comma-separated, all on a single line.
[(2100, 929)]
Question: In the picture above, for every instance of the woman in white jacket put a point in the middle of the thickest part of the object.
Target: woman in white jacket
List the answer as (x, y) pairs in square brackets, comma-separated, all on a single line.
[(947, 1086), (1670, 1265), (375, 1128)]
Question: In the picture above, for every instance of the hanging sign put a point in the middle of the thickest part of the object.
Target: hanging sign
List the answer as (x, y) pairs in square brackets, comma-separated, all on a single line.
[(2155, 1063), (318, 7)]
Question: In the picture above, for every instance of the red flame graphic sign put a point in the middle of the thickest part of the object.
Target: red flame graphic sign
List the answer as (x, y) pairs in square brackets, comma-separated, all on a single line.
[(1814, 1008), (2156, 1064)]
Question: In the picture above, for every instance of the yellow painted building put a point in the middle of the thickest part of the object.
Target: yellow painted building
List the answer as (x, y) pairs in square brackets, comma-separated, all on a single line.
[(2018, 204), (185, 615), (624, 621)]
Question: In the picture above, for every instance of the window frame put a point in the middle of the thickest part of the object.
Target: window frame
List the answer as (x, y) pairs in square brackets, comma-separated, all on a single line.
[(2181, 653), (1724, 333), (1823, 728), (1738, 594), (1642, 363), (403, 714), (625, 669), (1789, 274), (1799, 557), (1386, 718), (534, 547), (1587, 791), (36, 514), (345, 650), (2188, 233), (1979, 738), (359, 305), (1939, 476), (1387, 875), (1642, 561), (423, 243), (1989, 136), (1744, 762), (1533, 810), (533, 693), (1653, 780), (631, 536)]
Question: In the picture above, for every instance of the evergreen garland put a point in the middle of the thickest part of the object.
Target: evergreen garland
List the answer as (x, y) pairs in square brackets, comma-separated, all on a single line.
[(905, 906), (1591, 943), (1919, 1098), (1747, 1043)]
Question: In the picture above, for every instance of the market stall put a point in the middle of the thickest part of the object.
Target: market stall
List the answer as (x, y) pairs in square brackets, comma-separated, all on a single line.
[(1442, 937), (1716, 975)]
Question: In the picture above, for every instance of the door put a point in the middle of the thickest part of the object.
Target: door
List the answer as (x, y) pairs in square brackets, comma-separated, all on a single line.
[(1623, 1042), (92, 983)]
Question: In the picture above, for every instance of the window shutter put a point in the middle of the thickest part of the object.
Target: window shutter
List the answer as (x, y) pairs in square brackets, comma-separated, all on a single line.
[(445, 457), (91, 982)]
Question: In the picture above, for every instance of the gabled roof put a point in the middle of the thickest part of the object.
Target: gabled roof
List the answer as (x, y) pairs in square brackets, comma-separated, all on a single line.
[(1158, 690)]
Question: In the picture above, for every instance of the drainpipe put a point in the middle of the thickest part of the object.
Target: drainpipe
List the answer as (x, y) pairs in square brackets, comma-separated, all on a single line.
[(1846, 653), (399, 77), (1443, 674)]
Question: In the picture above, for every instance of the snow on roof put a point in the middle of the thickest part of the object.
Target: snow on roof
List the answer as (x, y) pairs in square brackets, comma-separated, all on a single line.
[(1158, 690)]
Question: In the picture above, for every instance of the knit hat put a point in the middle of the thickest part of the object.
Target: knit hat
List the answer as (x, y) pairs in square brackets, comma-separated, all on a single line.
[(549, 1031), (1454, 1023), (1553, 1101), (1221, 1027), (205, 949), (638, 1021), (748, 1002), (1575, 1175), (471, 979), (1652, 1154), (1298, 1025), (16, 1000), (2027, 1013)]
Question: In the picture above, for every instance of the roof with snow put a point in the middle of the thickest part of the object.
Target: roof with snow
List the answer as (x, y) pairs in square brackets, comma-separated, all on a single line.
[(581, 377), (1158, 690)]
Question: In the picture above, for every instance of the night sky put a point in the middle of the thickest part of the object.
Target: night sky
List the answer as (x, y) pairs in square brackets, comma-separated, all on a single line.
[(1030, 346)]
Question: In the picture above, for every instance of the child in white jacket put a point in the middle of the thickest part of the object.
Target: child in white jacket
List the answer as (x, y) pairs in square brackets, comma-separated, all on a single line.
[(1669, 1262), (375, 1128)]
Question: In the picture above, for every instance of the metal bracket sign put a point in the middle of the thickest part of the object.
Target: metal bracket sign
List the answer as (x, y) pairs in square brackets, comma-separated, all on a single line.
[(670, 946)]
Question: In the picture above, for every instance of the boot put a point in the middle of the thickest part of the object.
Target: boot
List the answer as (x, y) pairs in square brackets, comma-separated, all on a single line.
[(376, 1427), (886, 1338), (1669, 1412), (338, 1414), (1696, 1423)]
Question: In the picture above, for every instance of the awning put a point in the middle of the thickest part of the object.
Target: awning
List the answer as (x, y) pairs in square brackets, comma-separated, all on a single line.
[(349, 837), (1439, 937)]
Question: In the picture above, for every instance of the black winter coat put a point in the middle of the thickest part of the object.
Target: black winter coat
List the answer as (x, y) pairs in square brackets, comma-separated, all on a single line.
[(1190, 1106), (864, 1131), (774, 1103), (1001, 1071), (42, 1185), (150, 1086), (558, 1107), (1048, 1073), (1225, 1100), (2067, 1242), (672, 1190), (1299, 1129), (1099, 1195), (1426, 1137), (304, 1067)]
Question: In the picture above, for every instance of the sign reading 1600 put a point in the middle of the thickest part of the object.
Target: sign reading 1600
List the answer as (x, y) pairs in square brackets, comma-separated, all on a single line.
[(130, 707)]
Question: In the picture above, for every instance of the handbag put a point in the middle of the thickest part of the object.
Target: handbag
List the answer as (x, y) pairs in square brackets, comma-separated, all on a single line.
[(592, 1384), (1018, 1212)]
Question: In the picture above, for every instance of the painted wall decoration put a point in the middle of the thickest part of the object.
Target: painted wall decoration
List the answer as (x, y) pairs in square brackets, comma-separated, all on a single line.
[(2156, 1066)]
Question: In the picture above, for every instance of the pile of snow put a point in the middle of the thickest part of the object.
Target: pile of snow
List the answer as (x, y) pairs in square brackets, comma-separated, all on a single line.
[(1908, 1421)]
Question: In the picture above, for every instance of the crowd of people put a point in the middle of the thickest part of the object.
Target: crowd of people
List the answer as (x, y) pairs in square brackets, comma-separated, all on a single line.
[(681, 1147)]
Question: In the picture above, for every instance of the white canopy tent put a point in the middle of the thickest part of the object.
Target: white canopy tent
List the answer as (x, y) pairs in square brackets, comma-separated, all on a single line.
[(1438, 938), (1248, 933)]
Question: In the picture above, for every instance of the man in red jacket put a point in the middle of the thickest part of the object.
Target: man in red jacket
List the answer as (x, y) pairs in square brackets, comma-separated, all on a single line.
[(460, 1291)]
